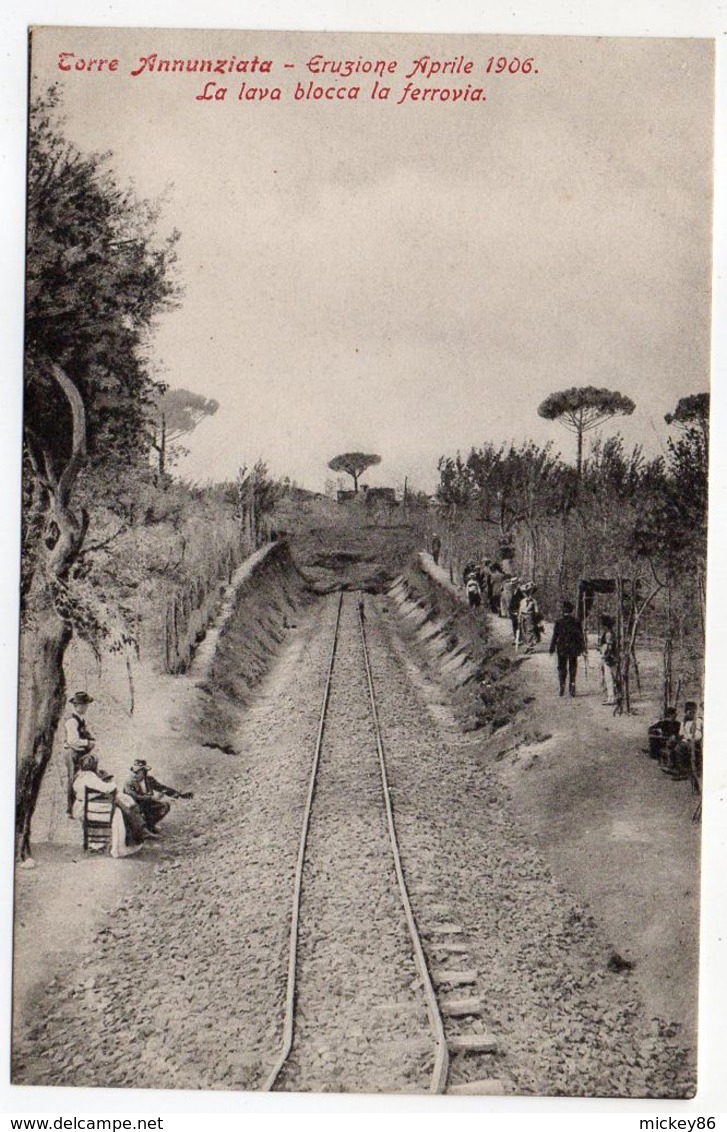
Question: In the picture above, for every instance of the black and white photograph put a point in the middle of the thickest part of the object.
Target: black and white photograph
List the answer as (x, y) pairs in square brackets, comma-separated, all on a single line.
[(363, 565)]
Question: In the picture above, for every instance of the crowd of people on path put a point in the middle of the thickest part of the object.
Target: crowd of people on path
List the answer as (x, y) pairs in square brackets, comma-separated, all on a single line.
[(509, 596), (676, 744), (505, 595), (136, 809)]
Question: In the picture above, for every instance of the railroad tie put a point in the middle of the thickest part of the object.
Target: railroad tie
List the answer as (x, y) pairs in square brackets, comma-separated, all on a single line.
[(444, 929), (461, 1007), (477, 1043), (454, 978), (486, 1087), (457, 946)]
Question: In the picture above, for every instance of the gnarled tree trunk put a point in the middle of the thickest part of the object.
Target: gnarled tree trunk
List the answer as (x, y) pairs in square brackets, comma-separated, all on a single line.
[(50, 632), (41, 708)]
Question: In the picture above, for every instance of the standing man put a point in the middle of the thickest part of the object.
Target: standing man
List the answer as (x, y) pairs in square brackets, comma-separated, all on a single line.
[(436, 548), (79, 742), (144, 790), (609, 658), (569, 643)]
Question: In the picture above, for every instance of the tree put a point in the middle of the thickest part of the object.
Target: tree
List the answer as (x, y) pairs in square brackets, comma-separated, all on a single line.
[(179, 411), (353, 463), (256, 496), (455, 488), (583, 408), (692, 411), (97, 276), (688, 480)]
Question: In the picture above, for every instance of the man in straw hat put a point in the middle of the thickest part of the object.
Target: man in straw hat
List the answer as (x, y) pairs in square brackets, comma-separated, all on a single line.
[(79, 742)]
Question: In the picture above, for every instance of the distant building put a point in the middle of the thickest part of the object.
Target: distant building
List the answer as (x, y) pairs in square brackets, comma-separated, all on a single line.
[(369, 495), (381, 495)]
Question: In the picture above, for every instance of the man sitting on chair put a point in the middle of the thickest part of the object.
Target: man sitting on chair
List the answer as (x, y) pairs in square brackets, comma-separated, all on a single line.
[(144, 790)]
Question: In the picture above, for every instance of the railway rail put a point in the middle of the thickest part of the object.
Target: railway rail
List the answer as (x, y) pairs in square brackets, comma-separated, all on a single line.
[(438, 1040)]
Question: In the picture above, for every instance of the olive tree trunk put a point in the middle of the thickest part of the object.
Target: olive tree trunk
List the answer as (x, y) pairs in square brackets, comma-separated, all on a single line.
[(46, 640)]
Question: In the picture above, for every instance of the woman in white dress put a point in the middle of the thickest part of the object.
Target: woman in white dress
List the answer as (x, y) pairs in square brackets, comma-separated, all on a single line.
[(126, 833)]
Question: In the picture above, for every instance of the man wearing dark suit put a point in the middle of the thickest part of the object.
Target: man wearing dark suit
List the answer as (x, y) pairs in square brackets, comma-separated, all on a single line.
[(569, 643)]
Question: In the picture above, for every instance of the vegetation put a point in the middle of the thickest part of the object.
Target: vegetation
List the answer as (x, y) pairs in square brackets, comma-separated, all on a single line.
[(583, 408), (126, 558), (353, 463), (178, 412), (98, 276), (640, 521)]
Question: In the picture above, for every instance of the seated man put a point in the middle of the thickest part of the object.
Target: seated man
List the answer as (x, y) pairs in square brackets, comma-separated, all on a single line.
[(688, 760), (661, 732), (143, 789), (693, 726)]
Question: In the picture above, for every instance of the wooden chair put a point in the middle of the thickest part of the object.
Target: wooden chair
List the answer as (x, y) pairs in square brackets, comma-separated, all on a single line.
[(98, 813)]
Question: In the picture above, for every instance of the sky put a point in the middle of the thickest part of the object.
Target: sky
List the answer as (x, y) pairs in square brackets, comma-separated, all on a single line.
[(414, 279)]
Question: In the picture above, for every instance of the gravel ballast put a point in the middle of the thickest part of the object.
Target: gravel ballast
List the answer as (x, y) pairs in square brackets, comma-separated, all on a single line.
[(361, 1021), (186, 984), (565, 1023)]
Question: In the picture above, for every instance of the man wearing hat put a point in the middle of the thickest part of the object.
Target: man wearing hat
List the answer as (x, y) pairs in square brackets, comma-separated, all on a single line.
[(569, 643), (79, 742), (143, 789)]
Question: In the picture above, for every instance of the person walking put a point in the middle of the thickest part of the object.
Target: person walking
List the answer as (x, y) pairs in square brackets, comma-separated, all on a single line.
[(568, 642), (506, 592)]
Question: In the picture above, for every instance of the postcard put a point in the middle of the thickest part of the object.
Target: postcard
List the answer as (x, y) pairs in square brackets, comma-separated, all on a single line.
[(364, 542)]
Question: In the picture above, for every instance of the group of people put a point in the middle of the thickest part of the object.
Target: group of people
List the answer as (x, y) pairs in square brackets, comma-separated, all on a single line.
[(482, 582), (137, 809), (677, 744), (508, 596), (515, 598)]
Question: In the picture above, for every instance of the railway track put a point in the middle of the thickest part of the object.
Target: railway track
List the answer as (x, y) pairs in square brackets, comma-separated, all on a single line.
[(339, 779)]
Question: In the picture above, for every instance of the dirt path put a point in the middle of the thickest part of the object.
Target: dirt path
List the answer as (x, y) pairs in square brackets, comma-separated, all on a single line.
[(616, 830), (61, 903)]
